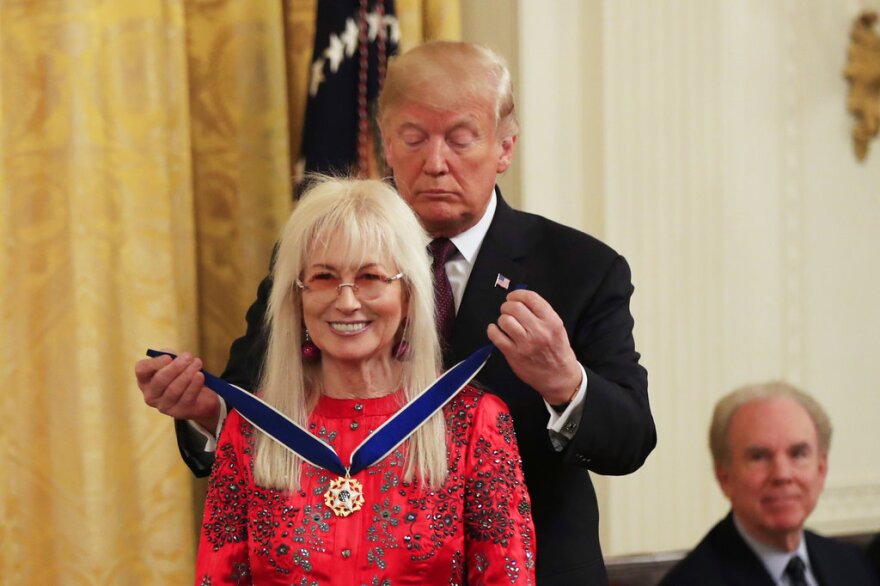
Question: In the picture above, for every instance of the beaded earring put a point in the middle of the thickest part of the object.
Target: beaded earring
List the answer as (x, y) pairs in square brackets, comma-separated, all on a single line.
[(310, 352), (400, 350)]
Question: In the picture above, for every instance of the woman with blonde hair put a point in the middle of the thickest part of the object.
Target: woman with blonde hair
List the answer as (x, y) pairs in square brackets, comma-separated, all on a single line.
[(351, 345)]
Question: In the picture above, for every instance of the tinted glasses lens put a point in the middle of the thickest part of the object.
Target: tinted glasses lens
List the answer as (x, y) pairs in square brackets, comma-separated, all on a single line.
[(370, 285), (366, 285), (322, 282)]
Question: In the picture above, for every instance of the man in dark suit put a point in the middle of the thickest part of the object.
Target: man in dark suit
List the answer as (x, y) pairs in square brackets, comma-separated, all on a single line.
[(566, 365), (873, 553), (770, 448)]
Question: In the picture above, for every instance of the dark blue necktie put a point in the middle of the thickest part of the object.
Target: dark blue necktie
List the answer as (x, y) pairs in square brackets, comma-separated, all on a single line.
[(795, 570)]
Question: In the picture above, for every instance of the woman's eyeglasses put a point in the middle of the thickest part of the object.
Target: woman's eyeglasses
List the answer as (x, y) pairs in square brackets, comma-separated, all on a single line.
[(366, 285)]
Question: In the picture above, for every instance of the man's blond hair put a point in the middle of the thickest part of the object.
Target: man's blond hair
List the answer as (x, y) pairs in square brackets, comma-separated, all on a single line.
[(447, 74)]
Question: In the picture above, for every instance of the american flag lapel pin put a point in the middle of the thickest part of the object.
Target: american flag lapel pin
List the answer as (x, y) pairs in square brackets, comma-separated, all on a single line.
[(502, 281)]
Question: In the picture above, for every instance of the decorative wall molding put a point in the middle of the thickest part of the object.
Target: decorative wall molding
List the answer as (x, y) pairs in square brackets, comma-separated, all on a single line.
[(848, 508), (792, 193)]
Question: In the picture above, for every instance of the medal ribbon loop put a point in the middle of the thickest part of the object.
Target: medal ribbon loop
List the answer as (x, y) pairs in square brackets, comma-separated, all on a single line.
[(377, 445)]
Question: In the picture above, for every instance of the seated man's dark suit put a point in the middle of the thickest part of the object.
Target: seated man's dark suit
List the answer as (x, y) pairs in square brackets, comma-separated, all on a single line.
[(874, 553), (723, 558), (589, 286)]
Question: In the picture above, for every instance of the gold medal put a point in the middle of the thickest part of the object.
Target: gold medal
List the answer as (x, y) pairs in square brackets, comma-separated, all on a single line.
[(345, 496)]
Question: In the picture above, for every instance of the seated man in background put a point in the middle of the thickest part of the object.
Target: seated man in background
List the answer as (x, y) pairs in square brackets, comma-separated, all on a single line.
[(770, 450)]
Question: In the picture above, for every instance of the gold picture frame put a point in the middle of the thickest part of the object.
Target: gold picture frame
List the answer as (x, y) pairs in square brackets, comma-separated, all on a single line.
[(863, 74)]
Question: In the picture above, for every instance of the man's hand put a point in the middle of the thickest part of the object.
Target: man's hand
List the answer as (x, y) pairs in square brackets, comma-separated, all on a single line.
[(177, 388), (532, 337)]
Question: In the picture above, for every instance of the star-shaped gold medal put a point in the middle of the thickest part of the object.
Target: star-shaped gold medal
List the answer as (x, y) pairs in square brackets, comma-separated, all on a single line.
[(345, 496)]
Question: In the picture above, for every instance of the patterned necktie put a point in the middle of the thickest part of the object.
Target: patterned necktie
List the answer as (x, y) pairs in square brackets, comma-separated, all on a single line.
[(441, 250), (795, 571)]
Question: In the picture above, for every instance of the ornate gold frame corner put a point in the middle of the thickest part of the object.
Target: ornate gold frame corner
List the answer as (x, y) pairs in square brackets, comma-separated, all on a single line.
[(863, 74)]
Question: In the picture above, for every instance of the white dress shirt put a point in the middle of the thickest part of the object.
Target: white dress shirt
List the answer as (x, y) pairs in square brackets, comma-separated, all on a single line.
[(776, 560)]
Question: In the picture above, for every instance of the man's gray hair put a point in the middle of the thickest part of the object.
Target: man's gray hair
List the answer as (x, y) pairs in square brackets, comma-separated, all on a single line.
[(728, 405)]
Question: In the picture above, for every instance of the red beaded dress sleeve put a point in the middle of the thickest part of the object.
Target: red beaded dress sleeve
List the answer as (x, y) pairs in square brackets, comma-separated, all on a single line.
[(499, 535), (223, 546)]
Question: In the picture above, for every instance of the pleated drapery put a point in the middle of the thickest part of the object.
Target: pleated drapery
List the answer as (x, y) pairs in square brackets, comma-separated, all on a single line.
[(146, 154)]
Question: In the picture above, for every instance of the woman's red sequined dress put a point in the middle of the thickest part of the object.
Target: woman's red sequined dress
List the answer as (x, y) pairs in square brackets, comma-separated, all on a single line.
[(474, 529)]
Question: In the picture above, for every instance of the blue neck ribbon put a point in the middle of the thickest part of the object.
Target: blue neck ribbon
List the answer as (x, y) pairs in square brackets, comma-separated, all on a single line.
[(377, 445)]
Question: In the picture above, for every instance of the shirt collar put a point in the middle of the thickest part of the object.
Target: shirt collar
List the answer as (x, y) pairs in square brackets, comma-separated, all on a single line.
[(775, 560), (469, 242)]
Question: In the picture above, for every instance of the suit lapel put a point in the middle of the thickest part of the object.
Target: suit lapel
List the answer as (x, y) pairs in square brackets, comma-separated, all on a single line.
[(742, 565), (502, 252), (821, 563)]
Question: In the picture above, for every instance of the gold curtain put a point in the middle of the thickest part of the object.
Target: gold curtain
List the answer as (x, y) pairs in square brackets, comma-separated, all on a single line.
[(146, 151), (426, 20)]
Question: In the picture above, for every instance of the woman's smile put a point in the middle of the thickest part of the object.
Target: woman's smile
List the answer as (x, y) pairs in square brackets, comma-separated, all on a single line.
[(349, 328)]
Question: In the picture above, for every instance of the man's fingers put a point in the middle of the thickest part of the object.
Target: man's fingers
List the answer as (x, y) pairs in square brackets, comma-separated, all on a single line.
[(167, 375), (512, 327), (191, 393), (499, 339), (526, 328), (515, 308), (536, 316), (170, 394), (534, 302), (518, 322), (145, 369)]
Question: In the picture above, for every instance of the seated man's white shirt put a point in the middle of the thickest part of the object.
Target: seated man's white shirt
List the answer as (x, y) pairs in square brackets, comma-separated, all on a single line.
[(775, 560)]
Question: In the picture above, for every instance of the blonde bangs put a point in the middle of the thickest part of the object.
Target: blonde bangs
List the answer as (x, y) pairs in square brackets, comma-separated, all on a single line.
[(356, 231)]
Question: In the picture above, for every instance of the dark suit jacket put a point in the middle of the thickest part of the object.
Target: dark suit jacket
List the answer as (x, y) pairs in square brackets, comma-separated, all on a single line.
[(873, 553), (589, 286), (723, 558)]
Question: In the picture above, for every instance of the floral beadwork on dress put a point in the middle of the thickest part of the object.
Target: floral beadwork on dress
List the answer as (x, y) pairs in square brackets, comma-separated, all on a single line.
[(473, 529)]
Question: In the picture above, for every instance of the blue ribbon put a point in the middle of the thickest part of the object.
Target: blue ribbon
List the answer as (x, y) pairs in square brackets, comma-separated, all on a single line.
[(375, 447)]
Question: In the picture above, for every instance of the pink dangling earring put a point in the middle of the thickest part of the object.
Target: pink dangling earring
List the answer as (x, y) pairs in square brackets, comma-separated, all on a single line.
[(310, 352), (400, 350)]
